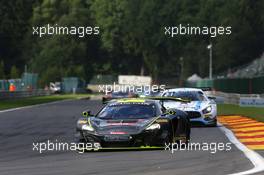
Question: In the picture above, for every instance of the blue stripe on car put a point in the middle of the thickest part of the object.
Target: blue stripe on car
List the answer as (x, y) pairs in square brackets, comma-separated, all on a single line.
[(198, 105)]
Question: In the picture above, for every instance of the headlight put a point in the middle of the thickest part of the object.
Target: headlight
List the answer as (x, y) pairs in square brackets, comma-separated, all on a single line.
[(154, 126), (87, 128), (207, 110), (82, 122)]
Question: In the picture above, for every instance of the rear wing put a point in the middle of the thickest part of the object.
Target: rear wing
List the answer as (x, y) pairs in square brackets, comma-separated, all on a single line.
[(205, 88), (162, 99), (168, 99), (202, 88)]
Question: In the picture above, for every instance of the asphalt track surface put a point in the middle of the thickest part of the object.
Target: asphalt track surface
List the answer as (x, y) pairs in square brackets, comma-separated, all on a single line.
[(56, 121)]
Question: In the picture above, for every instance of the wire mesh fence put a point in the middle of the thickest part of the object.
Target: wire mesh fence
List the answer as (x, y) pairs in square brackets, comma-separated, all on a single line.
[(73, 85)]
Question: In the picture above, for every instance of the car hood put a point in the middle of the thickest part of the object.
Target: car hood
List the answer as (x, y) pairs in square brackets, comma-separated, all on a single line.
[(191, 106), (122, 126)]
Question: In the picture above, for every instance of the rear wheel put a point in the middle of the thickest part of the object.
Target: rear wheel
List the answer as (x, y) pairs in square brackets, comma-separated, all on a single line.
[(188, 131), (183, 141), (167, 140)]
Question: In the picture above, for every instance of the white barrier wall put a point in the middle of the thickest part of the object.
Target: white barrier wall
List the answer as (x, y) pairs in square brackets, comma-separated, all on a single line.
[(255, 100), (134, 80)]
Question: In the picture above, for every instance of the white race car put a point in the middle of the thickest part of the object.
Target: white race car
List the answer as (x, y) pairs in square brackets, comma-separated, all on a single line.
[(201, 109)]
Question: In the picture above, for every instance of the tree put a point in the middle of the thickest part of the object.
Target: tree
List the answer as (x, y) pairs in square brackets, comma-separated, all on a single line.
[(64, 55), (136, 28), (14, 26), (2, 70), (14, 73), (131, 36)]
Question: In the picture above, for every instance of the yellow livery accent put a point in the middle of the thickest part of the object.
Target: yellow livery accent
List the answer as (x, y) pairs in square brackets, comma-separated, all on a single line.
[(162, 121), (131, 100), (82, 121)]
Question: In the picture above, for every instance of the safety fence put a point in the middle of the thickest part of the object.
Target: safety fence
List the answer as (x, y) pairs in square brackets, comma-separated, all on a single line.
[(73, 85), (28, 81), (23, 94)]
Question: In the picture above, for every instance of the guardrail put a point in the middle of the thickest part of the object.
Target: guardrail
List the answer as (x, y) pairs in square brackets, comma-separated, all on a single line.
[(23, 94), (222, 97), (238, 99)]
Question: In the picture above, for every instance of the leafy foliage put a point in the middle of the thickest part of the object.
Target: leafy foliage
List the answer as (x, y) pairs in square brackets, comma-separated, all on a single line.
[(2, 72), (14, 72), (131, 37)]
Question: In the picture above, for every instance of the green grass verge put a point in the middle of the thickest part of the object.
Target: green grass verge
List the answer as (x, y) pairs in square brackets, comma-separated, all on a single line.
[(253, 112), (14, 103)]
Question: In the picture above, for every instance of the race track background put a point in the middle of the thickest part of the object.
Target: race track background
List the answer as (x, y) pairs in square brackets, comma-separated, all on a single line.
[(20, 128)]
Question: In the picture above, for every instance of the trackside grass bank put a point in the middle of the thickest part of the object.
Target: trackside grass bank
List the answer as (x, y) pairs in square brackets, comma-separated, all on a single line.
[(14, 103), (256, 113)]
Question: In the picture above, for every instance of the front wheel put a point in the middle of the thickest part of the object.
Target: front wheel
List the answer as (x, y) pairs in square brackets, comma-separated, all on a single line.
[(214, 123)]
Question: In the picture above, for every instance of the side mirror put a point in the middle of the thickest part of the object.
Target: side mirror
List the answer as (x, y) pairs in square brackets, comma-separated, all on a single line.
[(86, 113), (212, 98), (169, 112)]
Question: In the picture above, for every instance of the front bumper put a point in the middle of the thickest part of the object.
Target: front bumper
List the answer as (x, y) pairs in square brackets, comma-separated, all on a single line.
[(146, 138), (211, 122), (198, 118)]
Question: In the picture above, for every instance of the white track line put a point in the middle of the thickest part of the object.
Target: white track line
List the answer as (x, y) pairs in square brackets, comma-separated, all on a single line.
[(256, 159), (31, 106), (42, 104)]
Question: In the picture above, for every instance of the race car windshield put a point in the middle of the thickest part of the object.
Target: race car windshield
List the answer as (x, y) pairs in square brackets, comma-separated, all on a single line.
[(188, 95), (128, 111), (120, 93)]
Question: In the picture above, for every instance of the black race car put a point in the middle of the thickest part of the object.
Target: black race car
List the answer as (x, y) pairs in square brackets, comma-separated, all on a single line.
[(134, 122)]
